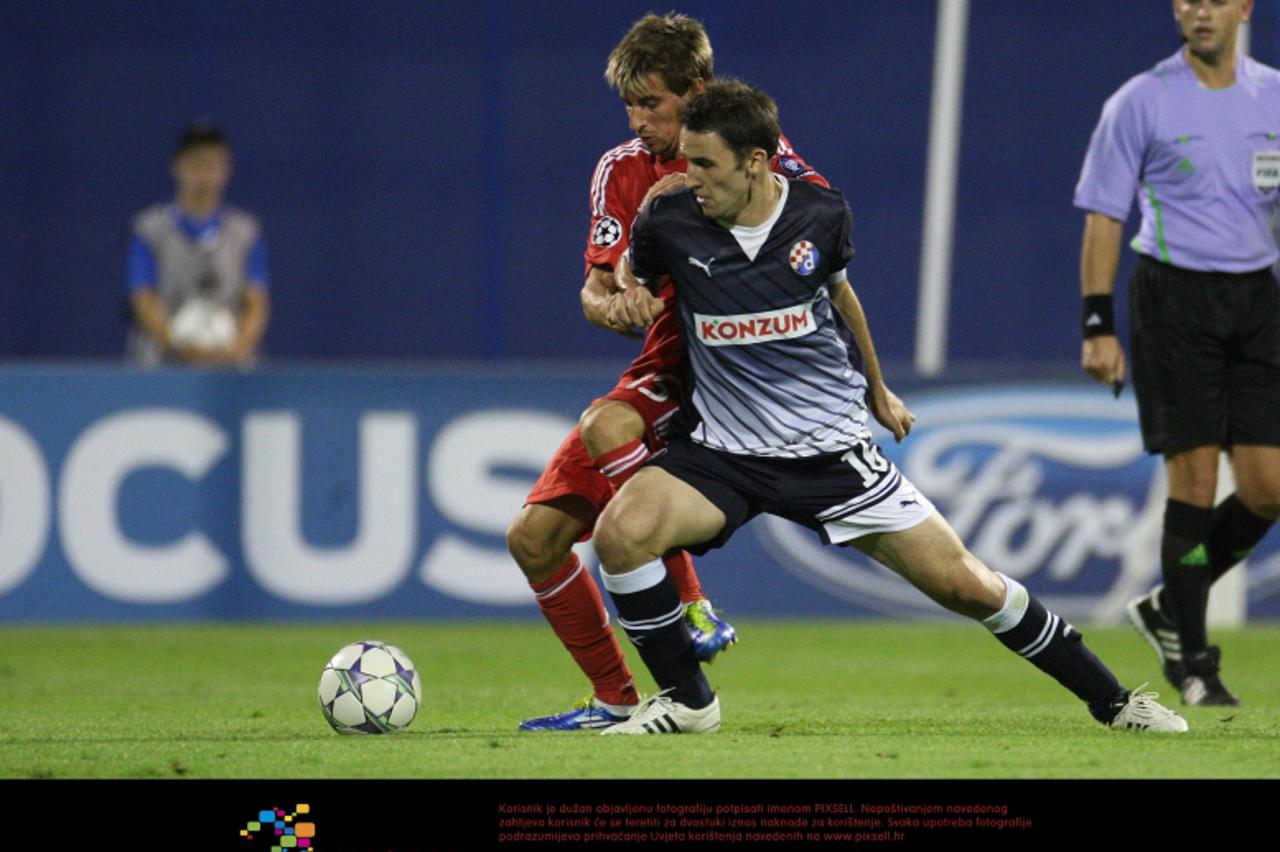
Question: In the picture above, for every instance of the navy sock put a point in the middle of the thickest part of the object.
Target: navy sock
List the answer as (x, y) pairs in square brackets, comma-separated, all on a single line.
[(1184, 562), (653, 619), (1057, 649)]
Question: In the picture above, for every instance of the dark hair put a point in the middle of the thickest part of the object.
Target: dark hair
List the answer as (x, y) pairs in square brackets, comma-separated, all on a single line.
[(199, 133), (675, 47), (745, 118)]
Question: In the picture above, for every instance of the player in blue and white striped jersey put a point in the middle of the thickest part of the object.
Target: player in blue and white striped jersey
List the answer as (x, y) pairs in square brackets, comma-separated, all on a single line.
[(773, 374), (758, 265)]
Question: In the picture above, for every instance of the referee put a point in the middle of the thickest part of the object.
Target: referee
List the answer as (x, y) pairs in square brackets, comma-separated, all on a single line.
[(1195, 138)]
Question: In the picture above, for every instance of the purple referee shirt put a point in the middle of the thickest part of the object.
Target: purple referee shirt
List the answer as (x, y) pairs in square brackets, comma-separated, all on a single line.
[(1204, 163)]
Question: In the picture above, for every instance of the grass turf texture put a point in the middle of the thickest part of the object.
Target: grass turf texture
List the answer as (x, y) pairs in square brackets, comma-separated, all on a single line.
[(800, 700)]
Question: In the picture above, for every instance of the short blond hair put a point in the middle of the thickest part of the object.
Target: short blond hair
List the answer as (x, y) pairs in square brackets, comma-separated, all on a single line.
[(673, 46)]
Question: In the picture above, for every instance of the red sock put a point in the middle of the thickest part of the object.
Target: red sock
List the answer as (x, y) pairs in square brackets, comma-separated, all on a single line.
[(680, 570), (621, 462), (571, 602)]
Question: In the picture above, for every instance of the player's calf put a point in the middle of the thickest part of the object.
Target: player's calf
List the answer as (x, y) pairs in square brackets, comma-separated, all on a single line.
[(541, 540), (1051, 644), (650, 612), (931, 556)]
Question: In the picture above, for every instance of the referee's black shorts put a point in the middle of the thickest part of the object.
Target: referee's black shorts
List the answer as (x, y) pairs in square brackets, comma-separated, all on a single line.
[(1205, 353)]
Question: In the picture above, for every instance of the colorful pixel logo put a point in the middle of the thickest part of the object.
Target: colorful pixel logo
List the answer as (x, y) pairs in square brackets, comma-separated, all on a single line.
[(283, 829)]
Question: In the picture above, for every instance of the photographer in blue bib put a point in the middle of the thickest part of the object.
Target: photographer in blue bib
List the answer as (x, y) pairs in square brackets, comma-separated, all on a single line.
[(197, 268)]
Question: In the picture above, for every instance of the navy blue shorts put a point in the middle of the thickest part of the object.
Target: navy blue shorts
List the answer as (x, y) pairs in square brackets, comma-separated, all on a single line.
[(843, 496)]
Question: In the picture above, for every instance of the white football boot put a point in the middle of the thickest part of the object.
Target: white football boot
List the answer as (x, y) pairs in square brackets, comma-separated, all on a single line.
[(661, 714), (1143, 713)]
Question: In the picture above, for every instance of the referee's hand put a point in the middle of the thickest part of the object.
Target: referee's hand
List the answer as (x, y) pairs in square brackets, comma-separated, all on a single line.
[(1103, 358)]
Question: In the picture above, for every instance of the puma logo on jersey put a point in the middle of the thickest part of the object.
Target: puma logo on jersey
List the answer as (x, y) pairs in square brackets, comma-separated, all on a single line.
[(764, 327), (705, 267)]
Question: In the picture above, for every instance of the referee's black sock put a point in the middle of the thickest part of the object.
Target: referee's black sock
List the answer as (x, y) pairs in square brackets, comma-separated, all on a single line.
[(1185, 564), (650, 611), (1024, 626), (1234, 534)]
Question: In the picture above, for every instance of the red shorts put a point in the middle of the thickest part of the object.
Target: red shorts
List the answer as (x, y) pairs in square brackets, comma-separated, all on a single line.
[(656, 396), (572, 471), (651, 385)]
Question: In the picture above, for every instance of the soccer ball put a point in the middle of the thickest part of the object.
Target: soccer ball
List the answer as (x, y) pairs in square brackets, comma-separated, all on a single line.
[(203, 324), (369, 687)]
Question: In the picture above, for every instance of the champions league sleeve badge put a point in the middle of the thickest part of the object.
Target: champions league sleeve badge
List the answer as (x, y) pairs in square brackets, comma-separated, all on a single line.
[(607, 231), (804, 257)]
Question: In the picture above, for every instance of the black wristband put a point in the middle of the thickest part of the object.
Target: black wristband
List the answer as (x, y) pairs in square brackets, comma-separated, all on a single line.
[(1099, 316)]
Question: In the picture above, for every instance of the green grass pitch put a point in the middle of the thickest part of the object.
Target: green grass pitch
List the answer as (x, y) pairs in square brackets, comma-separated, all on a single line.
[(845, 699)]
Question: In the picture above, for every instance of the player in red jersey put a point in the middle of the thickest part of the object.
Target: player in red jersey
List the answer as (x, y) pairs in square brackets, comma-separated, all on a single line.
[(660, 64)]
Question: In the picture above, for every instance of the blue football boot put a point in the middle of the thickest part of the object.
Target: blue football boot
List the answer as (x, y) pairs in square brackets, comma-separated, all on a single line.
[(586, 714), (711, 634)]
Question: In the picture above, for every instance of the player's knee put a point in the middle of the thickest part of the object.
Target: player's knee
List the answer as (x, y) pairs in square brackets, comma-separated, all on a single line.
[(972, 589), (609, 425), (620, 541), (537, 557)]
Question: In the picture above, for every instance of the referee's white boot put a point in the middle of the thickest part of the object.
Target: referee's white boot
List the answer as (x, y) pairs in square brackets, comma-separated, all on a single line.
[(661, 714)]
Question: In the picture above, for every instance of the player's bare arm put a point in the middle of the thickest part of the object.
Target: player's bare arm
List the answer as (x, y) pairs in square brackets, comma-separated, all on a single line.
[(596, 290), (605, 303), (602, 285), (889, 411), (1102, 356)]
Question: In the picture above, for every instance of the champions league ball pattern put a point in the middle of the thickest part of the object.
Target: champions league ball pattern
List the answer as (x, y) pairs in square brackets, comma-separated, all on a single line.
[(369, 687), (804, 257), (606, 232)]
